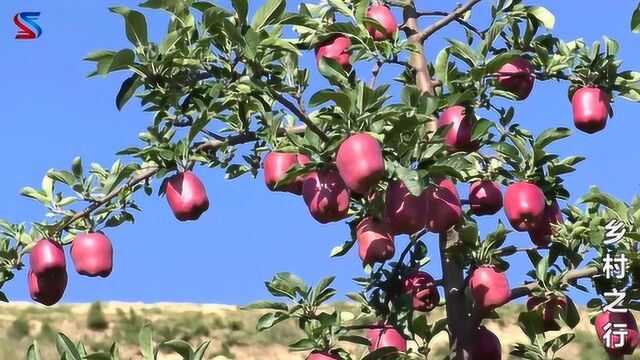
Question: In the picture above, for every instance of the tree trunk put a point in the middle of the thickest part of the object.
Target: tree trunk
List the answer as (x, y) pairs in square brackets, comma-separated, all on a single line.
[(458, 319)]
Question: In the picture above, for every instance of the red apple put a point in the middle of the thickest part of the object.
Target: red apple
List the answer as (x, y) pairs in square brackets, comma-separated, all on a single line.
[(92, 254), (47, 256), (422, 287), (335, 48), (485, 198), (590, 109), (517, 77), (404, 212), (550, 307), (485, 345), (524, 204), (383, 15), (552, 216), (443, 206), (360, 162), (489, 288), (48, 288), (375, 242), (326, 196), (316, 355), (187, 196), (386, 336), (458, 137), (631, 340), (276, 164)]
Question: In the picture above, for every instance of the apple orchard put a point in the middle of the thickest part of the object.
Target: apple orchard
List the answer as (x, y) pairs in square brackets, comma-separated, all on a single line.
[(226, 90)]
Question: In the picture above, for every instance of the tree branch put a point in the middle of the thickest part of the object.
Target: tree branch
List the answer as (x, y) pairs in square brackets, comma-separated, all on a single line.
[(149, 172), (301, 115), (447, 19), (457, 19), (527, 289), (418, 60)]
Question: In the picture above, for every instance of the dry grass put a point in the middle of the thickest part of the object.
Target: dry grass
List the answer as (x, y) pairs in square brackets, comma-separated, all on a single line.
[(231, 330)]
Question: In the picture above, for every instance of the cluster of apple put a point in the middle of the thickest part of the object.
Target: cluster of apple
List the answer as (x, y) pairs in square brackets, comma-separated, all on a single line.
[(590, 105), (92, 255), (359, 166)]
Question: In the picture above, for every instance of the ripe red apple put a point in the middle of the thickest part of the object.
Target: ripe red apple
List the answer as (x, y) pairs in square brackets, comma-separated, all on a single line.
[(326, 196), (375, 242), (404, 212), (48, 288), (92, 254), (549, 308), (485, 345), (631, 340), (187, 196), (524, 205), (458, 137), (383, 15), (485, 198), (590, 109), (552, 216), (443, 206), (386, 336), (422, 287), (335, 48), (47, 256), (276, 164), (517, 77), (360, 162), (489, 288), (316, 355)]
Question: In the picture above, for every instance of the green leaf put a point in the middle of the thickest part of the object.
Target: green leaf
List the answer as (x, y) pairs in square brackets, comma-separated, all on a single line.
[(635, 20), (355, 339), (268, 14), (135, 23), (341, 7), (180, 347), (271, 319), (120, 61), (332, 70), (550, 135), (146, 342), (341, 250), (303, 344), (610, 202), (65, 345), (411, 179), (198, 125), (127, 90), (242, 8), (463, 52), (266, 305), (33, 353), (342, 100), (201, 349), (544, 16)]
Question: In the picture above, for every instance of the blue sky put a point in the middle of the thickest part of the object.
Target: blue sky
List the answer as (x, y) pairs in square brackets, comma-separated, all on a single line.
[(52, 113)]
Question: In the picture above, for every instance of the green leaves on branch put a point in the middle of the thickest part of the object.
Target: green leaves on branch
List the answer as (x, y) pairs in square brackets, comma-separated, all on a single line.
[(148, 348)]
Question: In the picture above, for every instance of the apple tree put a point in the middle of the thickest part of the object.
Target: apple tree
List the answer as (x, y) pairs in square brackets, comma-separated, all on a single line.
[(225, 89)]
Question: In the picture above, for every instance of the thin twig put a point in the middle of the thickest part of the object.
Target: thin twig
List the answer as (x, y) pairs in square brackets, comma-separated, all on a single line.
[(374, 72), (527, 289), (149, 172), (464, 23), (301, 115), (447, 19)]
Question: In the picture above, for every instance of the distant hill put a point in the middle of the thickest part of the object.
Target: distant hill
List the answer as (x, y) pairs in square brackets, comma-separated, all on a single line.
[(231, 330)]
